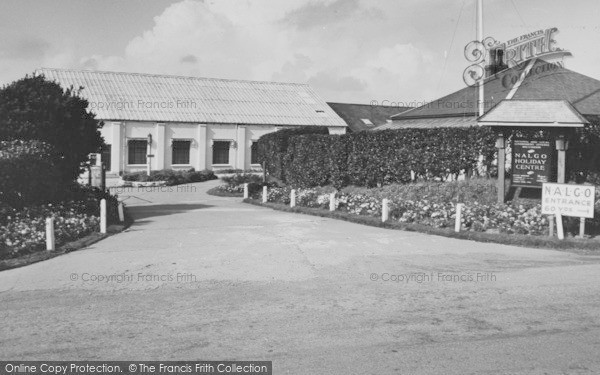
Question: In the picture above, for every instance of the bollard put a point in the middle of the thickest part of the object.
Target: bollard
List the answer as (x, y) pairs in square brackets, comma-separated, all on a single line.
[(246, 191), (50, 234), (385, 210), (559, 227), (264, 197), (293, 198), (458, 221), (551, 225), (582, 227), (121, 212), (103, 216), (332, 202)]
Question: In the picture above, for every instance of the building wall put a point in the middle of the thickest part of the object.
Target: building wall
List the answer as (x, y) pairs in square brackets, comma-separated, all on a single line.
[(202, 136)]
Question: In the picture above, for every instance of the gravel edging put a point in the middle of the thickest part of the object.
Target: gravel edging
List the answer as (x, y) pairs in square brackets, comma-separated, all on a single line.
[(580, 246)]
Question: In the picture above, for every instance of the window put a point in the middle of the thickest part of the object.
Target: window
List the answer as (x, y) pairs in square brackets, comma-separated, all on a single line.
[(254, 153), (181, 152), (106, 156), (136, 150), (221, 152)]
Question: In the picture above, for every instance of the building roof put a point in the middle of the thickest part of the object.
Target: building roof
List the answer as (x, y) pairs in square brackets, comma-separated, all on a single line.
[(550, 113), (545, 81), (160, 98), (431, 122), (360, 117)]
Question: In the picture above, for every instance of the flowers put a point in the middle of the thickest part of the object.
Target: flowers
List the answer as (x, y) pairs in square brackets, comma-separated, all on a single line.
[(506, 218), (25, 230)]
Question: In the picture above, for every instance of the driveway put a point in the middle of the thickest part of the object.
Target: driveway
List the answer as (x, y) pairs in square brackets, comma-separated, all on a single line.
[(203, 277)]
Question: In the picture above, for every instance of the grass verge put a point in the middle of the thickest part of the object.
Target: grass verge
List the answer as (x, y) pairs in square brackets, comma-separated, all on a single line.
[(578, 245)]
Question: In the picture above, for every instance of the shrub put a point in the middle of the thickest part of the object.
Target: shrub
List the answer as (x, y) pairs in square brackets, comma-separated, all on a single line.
[(27, 174), (272, 147), (239, 179), (375, 158), (172, 177), (33, 108)]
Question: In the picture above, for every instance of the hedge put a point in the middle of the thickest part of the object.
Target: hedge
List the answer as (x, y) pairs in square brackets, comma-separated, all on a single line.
[(27, 174), (272, 147), (374, 158)]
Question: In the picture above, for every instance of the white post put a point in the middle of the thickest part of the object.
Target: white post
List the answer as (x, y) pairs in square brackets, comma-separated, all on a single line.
[(246, 191), (332, 202), (582, 227), (293, 198), (385, 210), (50, 234), (264, 197), (458, 220), (103, 216), (121, 212), (559, 227)]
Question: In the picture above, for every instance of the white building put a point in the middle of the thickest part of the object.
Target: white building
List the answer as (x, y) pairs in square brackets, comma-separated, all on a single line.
[(190, 122)]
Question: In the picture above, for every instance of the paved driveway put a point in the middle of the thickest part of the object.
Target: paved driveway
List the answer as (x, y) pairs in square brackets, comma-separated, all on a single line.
[(202, 277)]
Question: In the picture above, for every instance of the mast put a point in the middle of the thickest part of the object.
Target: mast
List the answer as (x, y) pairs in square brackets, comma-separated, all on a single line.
[(479, 30)]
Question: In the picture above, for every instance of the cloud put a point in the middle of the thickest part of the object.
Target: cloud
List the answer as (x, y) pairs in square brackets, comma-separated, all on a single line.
[(190, 59), (340, 47), (320, 13), (25, 48)]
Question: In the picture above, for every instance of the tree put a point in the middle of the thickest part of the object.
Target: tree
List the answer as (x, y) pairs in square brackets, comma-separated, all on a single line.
[(34, 108)]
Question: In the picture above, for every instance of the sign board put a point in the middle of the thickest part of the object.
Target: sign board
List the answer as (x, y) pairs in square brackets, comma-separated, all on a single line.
[(568, 200), (531, 162)]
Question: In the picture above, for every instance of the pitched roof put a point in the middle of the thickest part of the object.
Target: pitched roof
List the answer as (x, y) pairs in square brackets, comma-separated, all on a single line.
[(161, 98), (431, 122), (553, 113), (358, 116), (545, 81)]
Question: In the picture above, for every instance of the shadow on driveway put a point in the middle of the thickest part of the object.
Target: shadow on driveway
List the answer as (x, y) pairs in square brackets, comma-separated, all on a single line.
[(141, 212)]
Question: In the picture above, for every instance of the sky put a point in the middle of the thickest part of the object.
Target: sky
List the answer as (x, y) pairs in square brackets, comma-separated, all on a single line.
[(352, 51)]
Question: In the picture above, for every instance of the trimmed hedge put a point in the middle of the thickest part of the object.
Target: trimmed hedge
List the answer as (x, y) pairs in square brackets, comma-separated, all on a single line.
[(272, 147), (374, 158)]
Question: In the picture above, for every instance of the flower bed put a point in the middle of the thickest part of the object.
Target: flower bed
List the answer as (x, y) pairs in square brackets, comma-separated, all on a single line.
[(25, 230), (171, 177), (504, 218)]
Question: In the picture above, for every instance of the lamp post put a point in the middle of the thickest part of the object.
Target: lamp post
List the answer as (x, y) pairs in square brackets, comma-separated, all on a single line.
[(149, 154)]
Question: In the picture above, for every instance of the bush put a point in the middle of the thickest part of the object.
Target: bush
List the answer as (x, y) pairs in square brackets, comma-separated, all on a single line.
[(28, 175), (375, 158), (240, 179), (272, 147), (171, 177), (33, 108)]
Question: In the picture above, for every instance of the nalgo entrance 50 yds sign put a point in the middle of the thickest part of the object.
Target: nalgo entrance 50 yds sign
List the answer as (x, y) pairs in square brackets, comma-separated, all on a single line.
[(568, 200)]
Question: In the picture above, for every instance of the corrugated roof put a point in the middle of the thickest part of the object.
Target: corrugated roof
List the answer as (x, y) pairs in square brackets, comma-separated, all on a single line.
[(553, 113), (160, 98), (432, 122)]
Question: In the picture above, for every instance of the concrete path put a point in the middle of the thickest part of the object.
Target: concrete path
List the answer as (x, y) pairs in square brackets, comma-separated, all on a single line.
[(203, 277)]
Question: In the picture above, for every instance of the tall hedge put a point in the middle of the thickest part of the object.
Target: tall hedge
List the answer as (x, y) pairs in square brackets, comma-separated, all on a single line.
[(272, 147), (375, 158)]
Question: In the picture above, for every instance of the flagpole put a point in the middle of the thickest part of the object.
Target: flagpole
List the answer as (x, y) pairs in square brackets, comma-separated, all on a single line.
[(479, 30)]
